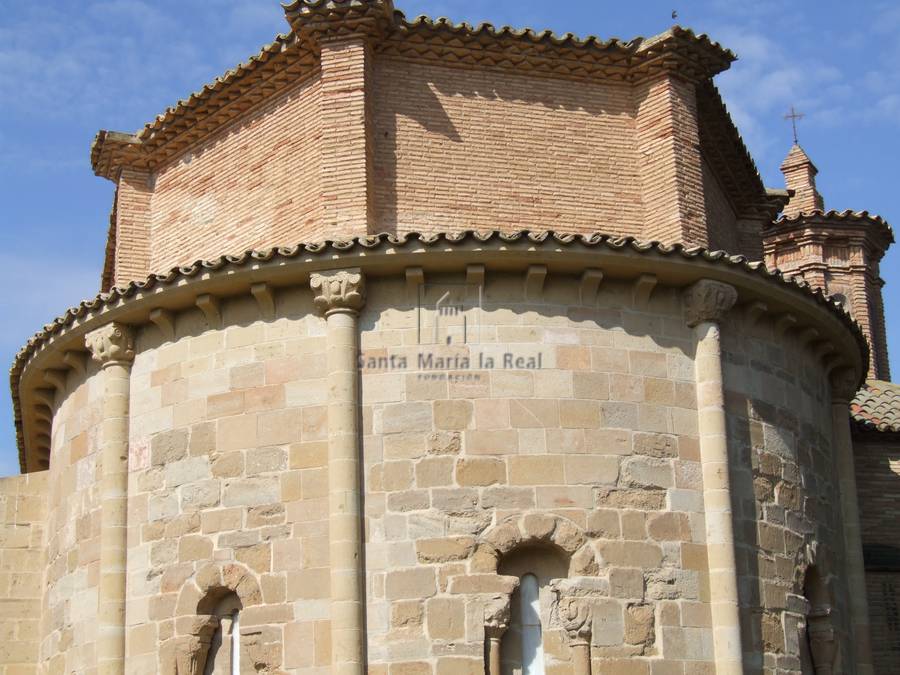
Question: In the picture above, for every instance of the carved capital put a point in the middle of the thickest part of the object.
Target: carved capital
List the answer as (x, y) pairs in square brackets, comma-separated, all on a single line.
[(192, 649), (708, 300), (575, 617), (844, 385), (338, 290), (111, 344), (496, 616)]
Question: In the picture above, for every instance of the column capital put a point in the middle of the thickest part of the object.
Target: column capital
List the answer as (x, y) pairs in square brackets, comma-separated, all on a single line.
[(112, 344), (575, 616), (708, 301), (496, 616), (844, 385), (338, 290)]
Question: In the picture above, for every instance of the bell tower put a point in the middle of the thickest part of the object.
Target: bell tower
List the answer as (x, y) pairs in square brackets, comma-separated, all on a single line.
[(837, 251)]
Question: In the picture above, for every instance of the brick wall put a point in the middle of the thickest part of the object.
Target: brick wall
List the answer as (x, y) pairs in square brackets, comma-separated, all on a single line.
[(23, 507), (482, 149), (877, 458), (254, 184), (720, 218), (132, 252), (668, 145)]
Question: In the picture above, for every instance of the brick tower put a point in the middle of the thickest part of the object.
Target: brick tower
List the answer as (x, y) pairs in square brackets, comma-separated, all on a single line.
[(837, 251)]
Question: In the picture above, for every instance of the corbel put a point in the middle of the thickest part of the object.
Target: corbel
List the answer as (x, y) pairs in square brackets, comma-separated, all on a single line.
[(590, 283), (807, 336), (755, 311), (164, 321), (209, 305), (415, 279), (46, 397), (55, 378), (475, 275), (77, 361), (643, 289), (784, 323), (265, 298), (534, 281)]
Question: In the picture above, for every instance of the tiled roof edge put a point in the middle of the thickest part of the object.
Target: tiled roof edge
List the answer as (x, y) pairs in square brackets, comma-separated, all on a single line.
[(847, 215), (373, 242)]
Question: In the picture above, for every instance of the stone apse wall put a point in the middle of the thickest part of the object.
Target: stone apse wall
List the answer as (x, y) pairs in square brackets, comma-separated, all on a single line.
[(580, 463)]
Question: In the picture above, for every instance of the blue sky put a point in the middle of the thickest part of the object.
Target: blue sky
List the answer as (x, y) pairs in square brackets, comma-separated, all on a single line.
[(69, 68)]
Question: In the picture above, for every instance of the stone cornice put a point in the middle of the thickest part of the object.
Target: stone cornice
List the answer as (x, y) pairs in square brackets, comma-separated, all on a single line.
[(385, 255)]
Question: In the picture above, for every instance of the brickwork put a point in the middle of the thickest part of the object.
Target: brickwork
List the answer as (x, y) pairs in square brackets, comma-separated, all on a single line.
[(724, 233), (23, 505), (668, 143), (878, 478), (254, 184), (461, 148), (133, 214), (783, 491), (346, 145)]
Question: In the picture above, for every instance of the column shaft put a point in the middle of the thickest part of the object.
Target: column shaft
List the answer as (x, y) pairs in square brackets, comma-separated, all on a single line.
[(112, 346), (861, 645), (345, 517), (723, 586)]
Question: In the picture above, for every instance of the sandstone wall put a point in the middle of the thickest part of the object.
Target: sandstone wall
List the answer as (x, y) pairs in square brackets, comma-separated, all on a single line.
[(23, 506), (603, 435), (480, 149), (227, 481), (255, 184), (69, 621), (787, 509)]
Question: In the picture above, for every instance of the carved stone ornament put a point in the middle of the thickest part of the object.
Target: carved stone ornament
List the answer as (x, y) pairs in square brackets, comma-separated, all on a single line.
[(575, 616), (708, 300), (844, 385), (338, 290), (191, 650), (111, 344), (496, 616)]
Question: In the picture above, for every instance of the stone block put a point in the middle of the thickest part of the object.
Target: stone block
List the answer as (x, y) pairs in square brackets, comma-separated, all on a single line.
[(631, 554), (405, 584), (536, 470), (251, 491), (591, 469), (640, 472), (445, 618)]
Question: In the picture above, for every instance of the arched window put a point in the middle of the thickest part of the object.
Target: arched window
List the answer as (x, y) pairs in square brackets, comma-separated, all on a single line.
[(522, 648), (225, 649), (532, 638)]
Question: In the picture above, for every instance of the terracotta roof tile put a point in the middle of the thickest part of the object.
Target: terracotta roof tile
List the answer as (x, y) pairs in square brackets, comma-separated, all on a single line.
[(845, 216), (877, 407)]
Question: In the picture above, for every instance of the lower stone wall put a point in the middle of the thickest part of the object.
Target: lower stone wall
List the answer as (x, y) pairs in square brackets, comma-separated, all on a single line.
[(23, 508), (877, 458), (786, 503)]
